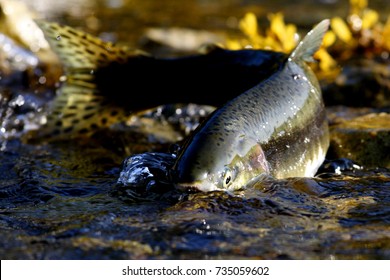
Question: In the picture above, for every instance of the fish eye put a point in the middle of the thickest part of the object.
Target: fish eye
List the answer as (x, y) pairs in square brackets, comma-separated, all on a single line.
[(227, 178)]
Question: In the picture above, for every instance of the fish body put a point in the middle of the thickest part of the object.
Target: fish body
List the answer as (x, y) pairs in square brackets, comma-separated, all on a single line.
[(278, 127), (274, 124)]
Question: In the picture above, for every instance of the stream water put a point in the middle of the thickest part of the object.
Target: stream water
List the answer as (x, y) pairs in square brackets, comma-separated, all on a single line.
[(63, 200)]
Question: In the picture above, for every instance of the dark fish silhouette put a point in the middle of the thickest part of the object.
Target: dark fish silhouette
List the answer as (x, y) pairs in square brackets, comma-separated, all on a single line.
[(105, 83)]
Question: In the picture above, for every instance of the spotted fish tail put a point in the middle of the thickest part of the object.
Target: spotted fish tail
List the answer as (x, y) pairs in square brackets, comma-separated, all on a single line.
[(80, 108)]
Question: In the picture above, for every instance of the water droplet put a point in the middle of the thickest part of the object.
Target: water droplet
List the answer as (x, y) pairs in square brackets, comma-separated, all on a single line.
[(58, 38), (297, 77), (357, 166), (18, 101), (385, 55), (42, 80), (281, 133)]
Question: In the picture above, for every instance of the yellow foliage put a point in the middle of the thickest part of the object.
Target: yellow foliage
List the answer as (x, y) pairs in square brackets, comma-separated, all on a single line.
[(233, 44), (326, 61), (279, 37), (284, 33), (386, 34), (370, 18), (360, 30), (329, 39), (341, 29), (357, 6), (248, 25)]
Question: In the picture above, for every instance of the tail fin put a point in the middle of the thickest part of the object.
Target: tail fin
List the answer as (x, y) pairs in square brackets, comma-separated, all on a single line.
[(80, 108), (311, 43)]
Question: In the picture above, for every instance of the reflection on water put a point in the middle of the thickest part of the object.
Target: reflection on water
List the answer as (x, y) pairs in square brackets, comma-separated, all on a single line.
[(57, 203)]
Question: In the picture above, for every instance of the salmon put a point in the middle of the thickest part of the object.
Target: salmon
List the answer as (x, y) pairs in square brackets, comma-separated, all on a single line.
[(277, 128)]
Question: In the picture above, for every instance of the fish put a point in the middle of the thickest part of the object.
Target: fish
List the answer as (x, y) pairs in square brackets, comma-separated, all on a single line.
[(277, 128), (105, 84)]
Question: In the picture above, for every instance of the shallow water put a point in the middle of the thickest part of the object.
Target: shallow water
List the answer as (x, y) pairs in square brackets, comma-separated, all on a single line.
[(58, 203), (63, 201)]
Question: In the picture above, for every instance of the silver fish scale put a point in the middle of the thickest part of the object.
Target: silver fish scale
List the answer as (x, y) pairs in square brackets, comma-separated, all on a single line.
[(276, 114), (277, 127), (266, 109)]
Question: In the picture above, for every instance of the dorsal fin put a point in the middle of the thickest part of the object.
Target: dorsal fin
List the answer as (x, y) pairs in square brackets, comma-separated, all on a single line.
[(80, 108), (311, 43)]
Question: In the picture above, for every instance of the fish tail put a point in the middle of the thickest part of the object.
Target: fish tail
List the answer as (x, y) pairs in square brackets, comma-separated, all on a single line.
[(80, 108), (311, 43)]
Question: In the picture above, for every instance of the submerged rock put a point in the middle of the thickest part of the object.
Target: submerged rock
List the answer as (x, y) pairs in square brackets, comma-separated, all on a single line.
[(362, 82), (365, 139)]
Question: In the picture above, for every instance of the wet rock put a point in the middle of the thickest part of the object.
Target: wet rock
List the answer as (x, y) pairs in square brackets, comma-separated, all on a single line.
[(362, 82), (337, 114), (146, 170), (364, 139)]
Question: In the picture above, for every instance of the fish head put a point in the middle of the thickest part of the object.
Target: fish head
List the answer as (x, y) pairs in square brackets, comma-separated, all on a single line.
[(207, 165)]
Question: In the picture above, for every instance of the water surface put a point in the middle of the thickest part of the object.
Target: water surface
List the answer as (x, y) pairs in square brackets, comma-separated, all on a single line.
[(62, 200)]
